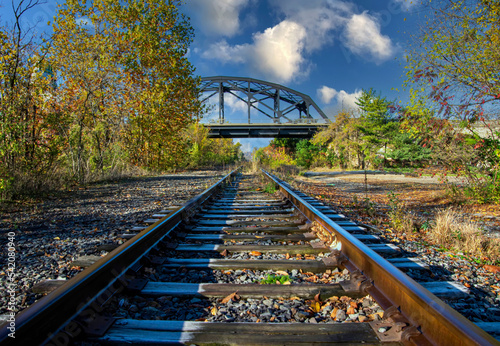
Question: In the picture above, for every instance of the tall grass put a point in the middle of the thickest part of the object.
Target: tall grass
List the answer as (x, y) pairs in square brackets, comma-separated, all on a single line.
[(450, 231)]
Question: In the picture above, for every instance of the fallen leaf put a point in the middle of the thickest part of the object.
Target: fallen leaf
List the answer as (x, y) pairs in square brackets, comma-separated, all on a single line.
[(316, 297), (287, 256), (491, 268), (281, 272), (316, 307), (224, 253), (294, 298), (350, 311), (214, 311), (286, 283), (229, 297), (255, 253), (334, 313)]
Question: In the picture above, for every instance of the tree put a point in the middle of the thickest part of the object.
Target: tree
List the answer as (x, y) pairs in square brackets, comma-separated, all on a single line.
[(306, 153), (125, 81), (377, 123), (456, 66), (342, 139), (203, 151), (29, 142)]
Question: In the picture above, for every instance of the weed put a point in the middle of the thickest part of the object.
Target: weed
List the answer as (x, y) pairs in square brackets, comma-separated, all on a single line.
[(270, 188), (425, 226), (274, 279), (369, 207), (400, 220)]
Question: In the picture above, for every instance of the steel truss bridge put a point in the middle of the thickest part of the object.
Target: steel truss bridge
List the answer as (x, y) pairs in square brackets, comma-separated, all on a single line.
[(272, 110)]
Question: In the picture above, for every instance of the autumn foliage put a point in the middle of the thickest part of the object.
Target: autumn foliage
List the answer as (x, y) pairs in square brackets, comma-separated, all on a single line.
[(110, 90)]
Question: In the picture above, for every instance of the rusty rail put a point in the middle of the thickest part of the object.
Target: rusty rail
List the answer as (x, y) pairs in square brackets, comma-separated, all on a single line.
[(431, 320), (50, 314)]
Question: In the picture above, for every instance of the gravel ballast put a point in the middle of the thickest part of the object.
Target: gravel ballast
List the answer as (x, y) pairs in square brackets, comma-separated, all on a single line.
[(52, 233)]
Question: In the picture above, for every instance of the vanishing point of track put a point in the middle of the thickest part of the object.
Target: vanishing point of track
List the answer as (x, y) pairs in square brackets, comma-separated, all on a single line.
[(232, 227)]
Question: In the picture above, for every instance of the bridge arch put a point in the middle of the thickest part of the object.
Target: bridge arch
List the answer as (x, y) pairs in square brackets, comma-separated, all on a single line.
[(287, 112)]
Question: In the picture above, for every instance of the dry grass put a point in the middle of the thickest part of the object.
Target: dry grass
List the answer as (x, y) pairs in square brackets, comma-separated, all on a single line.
[(450, 231)]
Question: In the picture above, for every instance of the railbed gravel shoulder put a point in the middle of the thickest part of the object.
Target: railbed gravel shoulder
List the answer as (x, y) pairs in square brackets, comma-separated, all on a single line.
[(483, 302), (53, 232)]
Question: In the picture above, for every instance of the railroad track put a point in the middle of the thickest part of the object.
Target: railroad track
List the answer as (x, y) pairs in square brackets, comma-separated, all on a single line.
[(238, 266)]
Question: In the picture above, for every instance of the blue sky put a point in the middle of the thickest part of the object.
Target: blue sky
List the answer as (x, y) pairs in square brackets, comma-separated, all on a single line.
[(327, 49)]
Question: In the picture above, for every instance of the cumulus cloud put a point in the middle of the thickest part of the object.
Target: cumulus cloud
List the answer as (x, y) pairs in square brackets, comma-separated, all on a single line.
[(218, 17), (342, 98), (406, 5), (280, 53), (326, 94), (363, 36), (225, 53), (235, 105), (276, 52), (319, 18)]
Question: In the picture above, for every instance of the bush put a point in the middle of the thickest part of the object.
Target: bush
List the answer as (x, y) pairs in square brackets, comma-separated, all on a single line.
[(273, 157), (306, 153)]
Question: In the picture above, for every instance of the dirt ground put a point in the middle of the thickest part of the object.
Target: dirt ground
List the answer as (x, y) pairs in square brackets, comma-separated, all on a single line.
[(422, 196)]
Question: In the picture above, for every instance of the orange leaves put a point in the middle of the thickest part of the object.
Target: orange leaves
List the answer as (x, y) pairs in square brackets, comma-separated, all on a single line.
[(492, 268), (232, 296)]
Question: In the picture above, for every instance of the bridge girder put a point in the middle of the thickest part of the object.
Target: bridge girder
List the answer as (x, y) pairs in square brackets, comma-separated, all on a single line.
[(277, 102)]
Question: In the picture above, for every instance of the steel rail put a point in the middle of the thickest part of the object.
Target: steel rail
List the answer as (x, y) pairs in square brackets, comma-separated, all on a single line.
[(47, 322), (437, 322)]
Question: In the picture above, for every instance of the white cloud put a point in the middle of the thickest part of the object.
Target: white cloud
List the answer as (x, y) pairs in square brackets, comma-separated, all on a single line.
[(319, 18), (326, 94), (225, 53), (342, 98), (406, 5), (280, 53), (278, 50), (276, 53), (363, 36), (218, 17), (235, 105)]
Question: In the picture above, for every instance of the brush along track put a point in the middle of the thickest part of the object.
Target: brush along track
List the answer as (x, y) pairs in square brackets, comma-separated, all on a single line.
[(246, 268)]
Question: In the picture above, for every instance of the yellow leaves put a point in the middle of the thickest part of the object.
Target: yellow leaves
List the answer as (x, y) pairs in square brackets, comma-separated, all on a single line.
[(214, 311), (315, 307)]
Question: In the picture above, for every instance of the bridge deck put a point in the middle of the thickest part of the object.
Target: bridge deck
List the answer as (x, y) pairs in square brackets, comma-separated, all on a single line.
[(263, 130)]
